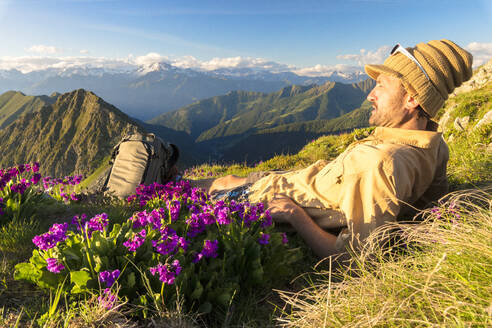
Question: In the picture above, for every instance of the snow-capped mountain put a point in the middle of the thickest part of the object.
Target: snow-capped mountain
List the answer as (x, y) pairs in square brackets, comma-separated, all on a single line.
[(149, 89)]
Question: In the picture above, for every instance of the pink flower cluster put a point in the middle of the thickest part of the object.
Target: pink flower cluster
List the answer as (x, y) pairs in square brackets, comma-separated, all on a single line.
[(109, 277), (49, 182), (6, 175), (56, 234), (167, 273), (107, 300), (54, 266), (209, 250)]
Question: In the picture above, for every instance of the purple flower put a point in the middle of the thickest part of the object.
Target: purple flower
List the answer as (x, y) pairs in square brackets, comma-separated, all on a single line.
[(264, 239), (13, 172), (109, 277), (195, 226), (35, 167), (140, 219), (107, 300), (79, 221), (21, 168), (266, 219), (54, 266), (46, 182), (97, 223), (206, 218), (436, 211), (135, 241), (169, 242), (20, 187), (74, 197), (284, 238), (56, 234), (197, 258), (174, 208), (210, 248), (167, 273), (35, 178), (222, 213)]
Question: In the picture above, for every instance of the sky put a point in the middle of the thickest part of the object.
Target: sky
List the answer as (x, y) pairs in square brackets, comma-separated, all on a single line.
[(304, 36)]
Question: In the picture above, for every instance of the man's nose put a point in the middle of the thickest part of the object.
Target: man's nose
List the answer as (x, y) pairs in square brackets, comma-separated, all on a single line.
[(371, 96)]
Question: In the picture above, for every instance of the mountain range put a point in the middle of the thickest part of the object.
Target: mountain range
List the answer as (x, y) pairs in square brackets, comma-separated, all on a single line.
[(248, 121), (74, 132), (146, 91)]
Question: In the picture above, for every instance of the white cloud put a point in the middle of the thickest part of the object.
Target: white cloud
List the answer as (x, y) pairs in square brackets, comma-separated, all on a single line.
[(43, 49), (368, 57), (28, 64), (482, 52), (323, 70), (149, 59), (230, 63), (84, 51)]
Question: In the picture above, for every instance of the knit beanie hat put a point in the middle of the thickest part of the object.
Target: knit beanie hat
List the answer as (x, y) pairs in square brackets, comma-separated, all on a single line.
[(437, 67)]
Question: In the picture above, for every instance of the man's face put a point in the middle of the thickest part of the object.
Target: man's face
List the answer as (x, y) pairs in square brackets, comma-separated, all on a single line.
[(388, 99)]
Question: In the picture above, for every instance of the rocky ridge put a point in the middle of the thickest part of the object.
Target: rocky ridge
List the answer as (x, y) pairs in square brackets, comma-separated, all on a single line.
[(71, 136)]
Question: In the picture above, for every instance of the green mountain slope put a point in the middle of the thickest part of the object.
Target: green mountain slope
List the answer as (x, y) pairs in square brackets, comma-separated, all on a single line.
[(15, 103), (288, 138), (244, 119), (239, 112), (71, 136)]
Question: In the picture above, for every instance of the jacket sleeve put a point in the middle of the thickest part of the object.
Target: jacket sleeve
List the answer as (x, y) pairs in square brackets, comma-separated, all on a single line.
[(439, 185)]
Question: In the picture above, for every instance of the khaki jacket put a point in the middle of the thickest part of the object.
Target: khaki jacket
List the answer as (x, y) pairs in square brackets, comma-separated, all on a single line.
[(368, 184)]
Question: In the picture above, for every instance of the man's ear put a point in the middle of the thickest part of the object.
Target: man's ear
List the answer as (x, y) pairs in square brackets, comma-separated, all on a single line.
[(411, 102)]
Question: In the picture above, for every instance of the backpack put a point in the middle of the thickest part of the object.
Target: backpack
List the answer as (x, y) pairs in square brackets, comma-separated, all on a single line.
[(140, 159)]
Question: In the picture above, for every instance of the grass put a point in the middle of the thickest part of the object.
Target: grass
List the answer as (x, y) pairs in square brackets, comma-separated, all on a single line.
[(326, 148), (438, 274), (470, 163)]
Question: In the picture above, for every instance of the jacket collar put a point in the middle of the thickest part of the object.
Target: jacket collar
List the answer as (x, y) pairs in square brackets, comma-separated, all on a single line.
[(416, 138)]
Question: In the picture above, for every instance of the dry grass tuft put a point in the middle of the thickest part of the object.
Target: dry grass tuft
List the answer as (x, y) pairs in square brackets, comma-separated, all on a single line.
[(436, 273)]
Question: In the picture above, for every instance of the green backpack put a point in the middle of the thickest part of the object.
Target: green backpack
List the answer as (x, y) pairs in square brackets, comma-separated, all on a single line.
[(140, 159)]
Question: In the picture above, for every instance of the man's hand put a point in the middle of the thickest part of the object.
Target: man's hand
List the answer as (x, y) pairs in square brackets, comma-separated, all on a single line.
[(283, 209)]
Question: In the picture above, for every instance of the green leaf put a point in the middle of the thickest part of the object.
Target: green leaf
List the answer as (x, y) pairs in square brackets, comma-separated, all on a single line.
[(130, 281), (27, 271), (198, 291), (80, 279), (49, 280), (205, 308), (224, 298), (257, 275), (37, 259), (71, 255)]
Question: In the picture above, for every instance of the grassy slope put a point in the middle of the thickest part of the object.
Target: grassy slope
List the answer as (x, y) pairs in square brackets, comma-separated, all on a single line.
[(439, 274), (13, 104)]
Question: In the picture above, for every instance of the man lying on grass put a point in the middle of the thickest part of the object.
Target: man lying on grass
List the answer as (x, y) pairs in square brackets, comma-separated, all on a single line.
[(402, 162)]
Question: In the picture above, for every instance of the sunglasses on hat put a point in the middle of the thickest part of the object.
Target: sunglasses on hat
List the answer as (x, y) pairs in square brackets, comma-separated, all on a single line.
[(399, 49)]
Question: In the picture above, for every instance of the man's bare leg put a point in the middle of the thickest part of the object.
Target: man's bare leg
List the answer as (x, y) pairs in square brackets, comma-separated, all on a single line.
[(214, 185)]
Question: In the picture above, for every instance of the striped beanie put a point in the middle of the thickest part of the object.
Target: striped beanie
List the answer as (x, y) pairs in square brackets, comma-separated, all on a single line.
[(429, 71)]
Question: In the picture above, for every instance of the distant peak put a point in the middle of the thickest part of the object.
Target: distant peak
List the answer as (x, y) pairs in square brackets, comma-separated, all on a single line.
[(155, 67)]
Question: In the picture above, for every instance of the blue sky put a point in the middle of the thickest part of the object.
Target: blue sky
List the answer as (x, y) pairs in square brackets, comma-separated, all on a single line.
[(300, 33)]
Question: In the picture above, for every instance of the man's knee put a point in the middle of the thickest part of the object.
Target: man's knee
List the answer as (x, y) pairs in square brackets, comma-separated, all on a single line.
[(227, 182)]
